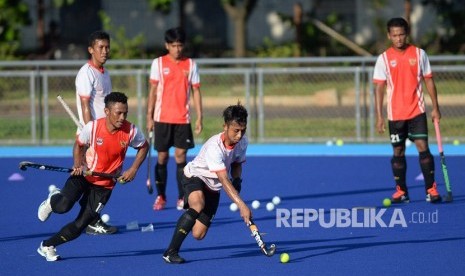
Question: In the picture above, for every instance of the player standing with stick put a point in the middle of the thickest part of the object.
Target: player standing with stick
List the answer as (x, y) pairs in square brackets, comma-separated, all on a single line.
[(204, 177), (172, 77), (402, 68), (109, 139), (93, 83)]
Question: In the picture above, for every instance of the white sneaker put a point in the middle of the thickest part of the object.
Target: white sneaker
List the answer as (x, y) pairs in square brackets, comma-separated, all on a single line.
[(180, 204), (48, 252), (45, 209)]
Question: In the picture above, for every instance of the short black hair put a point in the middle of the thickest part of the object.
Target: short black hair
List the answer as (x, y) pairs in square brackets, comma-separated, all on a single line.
[(398, 22), (236, 113), (97, 35), (175, 35), (115, 97)]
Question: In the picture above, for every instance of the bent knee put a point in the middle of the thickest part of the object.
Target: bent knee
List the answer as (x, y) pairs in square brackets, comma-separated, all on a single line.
[(198, 236)]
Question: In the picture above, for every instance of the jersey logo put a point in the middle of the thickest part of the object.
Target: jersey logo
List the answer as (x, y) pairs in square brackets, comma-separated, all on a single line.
[(393, 63), (123, 144), (412, 61), (99, 141), (166, 71), (186, 73)]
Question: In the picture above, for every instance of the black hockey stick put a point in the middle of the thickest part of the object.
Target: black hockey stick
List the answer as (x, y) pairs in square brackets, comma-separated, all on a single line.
[(258, 238), (448, 197), (23, 165), (148, 182)]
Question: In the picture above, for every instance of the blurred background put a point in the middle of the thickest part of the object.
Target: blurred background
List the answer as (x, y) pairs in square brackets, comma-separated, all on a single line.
[(303, 69)]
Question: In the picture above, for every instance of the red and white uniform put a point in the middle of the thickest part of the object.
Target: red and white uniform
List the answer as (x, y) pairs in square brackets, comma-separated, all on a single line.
[(403, 72), (107, 151), (174, 81), (92, 83), (214, 157)]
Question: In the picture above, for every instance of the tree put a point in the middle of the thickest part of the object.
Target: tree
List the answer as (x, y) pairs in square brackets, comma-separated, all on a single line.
[(239, 12), (13, 15)]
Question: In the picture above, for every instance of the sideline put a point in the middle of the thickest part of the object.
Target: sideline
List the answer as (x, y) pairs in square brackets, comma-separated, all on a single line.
[(253, 150)]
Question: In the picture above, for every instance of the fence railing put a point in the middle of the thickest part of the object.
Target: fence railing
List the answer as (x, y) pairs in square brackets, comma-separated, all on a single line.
[(289, 100)]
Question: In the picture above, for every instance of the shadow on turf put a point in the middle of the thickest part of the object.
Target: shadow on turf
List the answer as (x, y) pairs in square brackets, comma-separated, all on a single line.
[(335, 248)]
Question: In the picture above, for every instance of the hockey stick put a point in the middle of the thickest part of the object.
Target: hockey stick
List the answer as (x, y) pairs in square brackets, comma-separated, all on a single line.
[(258, 238), (23, 165), (70, 112), (448, 197), (148, 183)]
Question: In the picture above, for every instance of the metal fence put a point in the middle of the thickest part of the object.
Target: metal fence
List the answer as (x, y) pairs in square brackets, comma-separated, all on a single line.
[(289, 100)]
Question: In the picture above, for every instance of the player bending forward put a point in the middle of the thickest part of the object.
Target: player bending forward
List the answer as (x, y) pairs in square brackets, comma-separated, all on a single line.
[(204, 177), (108, 139)]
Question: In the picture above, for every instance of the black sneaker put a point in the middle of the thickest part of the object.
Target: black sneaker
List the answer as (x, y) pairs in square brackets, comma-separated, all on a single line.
[(172, 257), (100, 228)]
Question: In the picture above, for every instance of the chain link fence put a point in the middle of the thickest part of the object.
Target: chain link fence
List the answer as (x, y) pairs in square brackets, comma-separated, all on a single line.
[(307, 100)]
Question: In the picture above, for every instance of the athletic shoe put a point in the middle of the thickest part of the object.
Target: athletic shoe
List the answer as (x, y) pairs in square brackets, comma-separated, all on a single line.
[(45, 209), (172, 257), (433, 195), (160, 203), (180, 204), (48, 252), (100, 228), (400, 196)]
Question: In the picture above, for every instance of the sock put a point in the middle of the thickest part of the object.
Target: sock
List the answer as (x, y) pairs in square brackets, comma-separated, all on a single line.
[(161, 176), (68, 233), (183, 227), (427, 168), (399, 169), (179, 174)]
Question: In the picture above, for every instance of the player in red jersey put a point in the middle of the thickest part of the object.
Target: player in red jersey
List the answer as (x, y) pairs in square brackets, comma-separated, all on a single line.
[(172, 78), (105, 141), (400, 71)]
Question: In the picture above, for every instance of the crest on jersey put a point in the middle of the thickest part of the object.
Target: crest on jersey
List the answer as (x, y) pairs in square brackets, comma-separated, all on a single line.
[(166, 71), (186, 73), (99, 141), (123, 144), (393, 63), (412, 61)]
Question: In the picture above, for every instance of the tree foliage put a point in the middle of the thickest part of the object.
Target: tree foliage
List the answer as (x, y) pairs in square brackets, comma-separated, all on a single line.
[(14, 14)]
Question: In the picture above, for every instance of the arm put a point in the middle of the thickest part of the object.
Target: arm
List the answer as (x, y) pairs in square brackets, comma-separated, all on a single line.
[(431, 86), (198, 110), (78, 158), (86, 113), (151, 99), (379, 99), (130, 173), (246, 214)]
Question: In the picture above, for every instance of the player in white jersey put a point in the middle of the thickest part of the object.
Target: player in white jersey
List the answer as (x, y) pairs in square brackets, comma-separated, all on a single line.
[(220, 158), (92, 85)]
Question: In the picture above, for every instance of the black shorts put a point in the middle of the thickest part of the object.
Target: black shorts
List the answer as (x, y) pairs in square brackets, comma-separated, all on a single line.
[(93, 197), (413, 129), (212, 198), (169, 135)]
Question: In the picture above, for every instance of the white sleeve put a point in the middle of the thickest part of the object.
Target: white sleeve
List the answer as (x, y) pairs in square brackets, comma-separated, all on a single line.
[(139, 138), (155, 70), (425, 64), (379, 72), (195, 78), (85, 134), (84, 81)]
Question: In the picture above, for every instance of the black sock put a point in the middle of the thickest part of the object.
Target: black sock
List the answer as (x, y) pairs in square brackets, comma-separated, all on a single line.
[(68, 233), (183, 227), (427, 168), (179, 175), (161, 176), (399, 169)]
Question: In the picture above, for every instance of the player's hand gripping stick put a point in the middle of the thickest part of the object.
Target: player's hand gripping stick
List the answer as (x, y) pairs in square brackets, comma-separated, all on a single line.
[(258, 238)]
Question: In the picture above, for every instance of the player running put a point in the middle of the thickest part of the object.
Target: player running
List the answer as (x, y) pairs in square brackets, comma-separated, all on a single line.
[(401, 68), (107, 140), (219, 158)]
